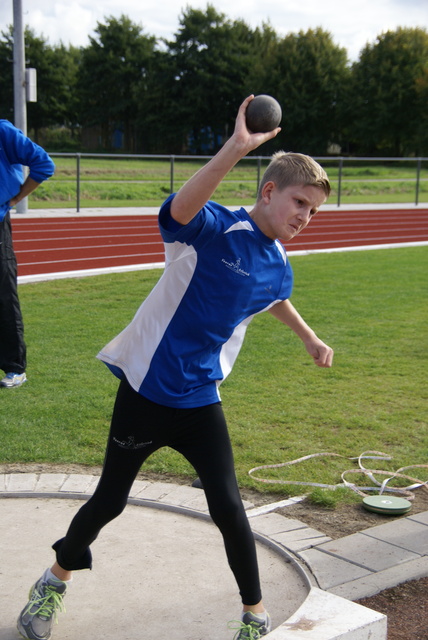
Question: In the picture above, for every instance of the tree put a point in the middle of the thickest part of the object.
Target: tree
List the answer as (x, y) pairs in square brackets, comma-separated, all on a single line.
[(389, 94), (307, 73), (56, 82), (211, 59), (111, 70), (158, 119), (6, 75), (182, 95)]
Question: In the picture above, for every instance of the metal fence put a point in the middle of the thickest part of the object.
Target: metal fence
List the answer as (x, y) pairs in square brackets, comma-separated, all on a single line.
[(415, 170)]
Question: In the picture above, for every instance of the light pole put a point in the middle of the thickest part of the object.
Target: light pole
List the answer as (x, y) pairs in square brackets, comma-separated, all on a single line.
[(19, 85)]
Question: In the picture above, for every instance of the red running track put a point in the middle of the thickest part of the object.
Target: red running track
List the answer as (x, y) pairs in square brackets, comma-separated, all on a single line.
[(51, 245)]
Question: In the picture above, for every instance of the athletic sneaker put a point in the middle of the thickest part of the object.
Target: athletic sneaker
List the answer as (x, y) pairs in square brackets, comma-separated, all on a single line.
[(36, 619), (13, 379), (252, 626)]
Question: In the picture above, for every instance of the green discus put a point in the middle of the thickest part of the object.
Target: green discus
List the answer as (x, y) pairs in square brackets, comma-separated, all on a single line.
[(387, 505)]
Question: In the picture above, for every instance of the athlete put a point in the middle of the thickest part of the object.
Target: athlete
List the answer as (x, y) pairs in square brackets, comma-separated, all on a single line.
[(221, 268)]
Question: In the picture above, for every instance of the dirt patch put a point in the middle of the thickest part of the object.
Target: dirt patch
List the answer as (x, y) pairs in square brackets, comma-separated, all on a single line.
[(405, 605)]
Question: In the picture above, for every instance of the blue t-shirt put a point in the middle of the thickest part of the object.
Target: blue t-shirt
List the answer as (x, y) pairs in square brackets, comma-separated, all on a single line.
[(220, 270), (16, 150)]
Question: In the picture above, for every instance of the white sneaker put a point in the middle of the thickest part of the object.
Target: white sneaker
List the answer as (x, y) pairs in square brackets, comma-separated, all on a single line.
[(13, 380)]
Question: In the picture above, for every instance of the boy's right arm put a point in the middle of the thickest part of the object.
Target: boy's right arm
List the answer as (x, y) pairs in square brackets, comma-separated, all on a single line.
[(196, 192)]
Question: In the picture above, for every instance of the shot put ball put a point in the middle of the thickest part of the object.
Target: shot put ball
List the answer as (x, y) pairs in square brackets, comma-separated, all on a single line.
[(263, 114)]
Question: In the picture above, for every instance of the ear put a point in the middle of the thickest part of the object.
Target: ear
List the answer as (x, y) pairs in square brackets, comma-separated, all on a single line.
[(267, 190)]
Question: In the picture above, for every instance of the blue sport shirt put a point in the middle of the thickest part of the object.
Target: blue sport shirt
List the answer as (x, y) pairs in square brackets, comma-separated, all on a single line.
[(16, 150), (220, 270)]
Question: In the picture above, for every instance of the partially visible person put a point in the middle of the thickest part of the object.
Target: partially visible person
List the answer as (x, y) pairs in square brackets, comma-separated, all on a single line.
[(16, 150)]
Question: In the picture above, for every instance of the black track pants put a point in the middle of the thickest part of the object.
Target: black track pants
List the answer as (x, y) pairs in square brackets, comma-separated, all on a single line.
[(140, 427), (12, 345)]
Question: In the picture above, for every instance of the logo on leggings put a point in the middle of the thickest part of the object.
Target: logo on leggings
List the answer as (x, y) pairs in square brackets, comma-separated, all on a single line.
[(130, 443)]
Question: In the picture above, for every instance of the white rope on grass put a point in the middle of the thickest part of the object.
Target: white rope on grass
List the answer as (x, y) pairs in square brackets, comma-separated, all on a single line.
[(369, 473)]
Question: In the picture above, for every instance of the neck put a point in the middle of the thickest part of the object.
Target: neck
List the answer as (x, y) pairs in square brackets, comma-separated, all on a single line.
[(256, 214)]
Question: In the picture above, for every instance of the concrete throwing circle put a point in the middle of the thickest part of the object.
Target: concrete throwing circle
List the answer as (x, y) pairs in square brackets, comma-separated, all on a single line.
[(157, 574)]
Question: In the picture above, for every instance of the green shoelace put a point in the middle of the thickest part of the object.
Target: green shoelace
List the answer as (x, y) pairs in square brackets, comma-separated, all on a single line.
[(244, 631), (49, 603)]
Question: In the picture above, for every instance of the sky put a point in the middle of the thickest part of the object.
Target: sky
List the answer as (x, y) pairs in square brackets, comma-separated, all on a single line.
[(351, 23)]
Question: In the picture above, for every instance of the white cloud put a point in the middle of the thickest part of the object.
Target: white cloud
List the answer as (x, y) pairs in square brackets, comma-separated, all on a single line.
[(69, 23), (351, 27)]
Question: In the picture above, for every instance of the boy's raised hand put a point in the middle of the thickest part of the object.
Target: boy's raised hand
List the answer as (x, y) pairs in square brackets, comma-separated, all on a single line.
[(199, 188), (244, 136)]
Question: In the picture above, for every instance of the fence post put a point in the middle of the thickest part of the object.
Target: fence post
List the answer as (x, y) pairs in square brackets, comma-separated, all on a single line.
[(339, 182), (418, 176), (259, 165), (171, 176), (77, 182)]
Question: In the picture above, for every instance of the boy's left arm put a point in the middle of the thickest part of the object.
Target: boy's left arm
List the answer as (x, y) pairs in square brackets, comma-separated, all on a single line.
[(317, 349)]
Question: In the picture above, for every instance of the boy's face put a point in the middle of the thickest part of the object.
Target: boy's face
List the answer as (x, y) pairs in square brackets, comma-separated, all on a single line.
[(286, 213)]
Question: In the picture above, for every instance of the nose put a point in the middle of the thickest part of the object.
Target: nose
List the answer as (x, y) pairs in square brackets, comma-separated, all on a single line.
[(304, 215)]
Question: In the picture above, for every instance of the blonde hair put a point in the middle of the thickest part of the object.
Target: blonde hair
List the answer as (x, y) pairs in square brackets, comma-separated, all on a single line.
[(289, 169)]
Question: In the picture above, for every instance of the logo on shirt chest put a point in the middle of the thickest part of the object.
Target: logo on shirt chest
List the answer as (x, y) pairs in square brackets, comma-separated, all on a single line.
[(235, 266)]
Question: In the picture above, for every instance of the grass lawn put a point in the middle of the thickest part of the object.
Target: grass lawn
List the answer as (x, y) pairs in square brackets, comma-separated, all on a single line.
[(125, 182), (370, 306)]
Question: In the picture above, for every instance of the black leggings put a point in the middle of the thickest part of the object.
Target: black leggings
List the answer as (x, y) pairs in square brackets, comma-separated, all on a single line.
[(139, 427)]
